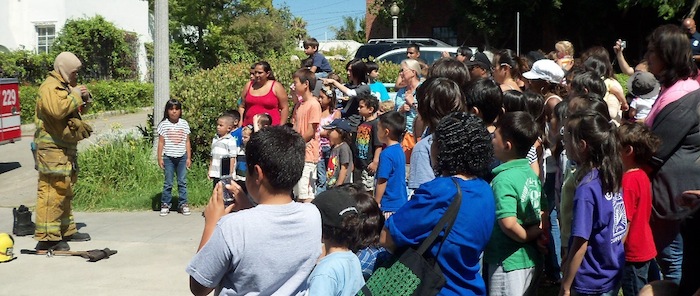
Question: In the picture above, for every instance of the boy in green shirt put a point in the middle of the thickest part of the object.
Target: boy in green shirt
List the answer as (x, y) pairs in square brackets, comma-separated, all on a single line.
[(511, 254)]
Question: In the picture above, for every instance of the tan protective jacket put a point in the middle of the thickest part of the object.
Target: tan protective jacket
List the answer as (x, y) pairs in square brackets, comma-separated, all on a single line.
[(59, 126)]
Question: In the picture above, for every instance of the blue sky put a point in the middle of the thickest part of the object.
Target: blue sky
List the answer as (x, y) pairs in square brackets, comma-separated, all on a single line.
[(321, 15)]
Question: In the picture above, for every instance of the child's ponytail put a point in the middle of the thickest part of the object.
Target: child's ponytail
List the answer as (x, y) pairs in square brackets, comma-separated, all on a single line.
[(603, 147)]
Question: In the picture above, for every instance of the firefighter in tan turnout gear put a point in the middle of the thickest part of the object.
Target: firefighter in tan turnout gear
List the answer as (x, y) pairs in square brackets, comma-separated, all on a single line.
[(59, 127)]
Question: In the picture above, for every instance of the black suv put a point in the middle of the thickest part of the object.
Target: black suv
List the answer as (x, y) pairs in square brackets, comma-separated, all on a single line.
[(374, 50), (376, 47)]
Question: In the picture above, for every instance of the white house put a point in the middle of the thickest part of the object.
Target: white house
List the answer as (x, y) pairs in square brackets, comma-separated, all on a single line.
[(33, 24)]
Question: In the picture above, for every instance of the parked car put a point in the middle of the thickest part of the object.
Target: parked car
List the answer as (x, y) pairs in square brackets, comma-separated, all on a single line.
[(427, 54), (419, 41), (376, 49)]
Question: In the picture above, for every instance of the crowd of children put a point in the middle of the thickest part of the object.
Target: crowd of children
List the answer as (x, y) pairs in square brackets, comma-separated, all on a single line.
[(552, 183)]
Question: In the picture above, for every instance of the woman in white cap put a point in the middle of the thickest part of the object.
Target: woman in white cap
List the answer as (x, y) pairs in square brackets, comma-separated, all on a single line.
[(545, 76)]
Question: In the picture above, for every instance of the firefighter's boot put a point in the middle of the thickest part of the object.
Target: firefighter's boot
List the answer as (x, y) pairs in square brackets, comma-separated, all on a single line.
[(23, 224)]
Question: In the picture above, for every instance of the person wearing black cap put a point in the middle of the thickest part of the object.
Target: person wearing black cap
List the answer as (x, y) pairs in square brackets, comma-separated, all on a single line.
[(645, 89), (479, 66), (340, 163), (339, 271)]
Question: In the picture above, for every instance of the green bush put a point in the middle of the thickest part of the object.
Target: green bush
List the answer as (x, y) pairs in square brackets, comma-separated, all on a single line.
[(26, 66), (107, 95), (106, 51), (107, 181), (622, 79), (208, 93)]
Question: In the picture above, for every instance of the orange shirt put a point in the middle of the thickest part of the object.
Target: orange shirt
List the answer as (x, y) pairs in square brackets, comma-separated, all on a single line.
[(309, 112)]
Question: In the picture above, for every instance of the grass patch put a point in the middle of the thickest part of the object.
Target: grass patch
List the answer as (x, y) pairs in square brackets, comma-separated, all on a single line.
[(121, 175)]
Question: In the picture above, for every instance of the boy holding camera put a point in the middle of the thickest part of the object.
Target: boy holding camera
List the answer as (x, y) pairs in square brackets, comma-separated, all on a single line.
[(264, 264)]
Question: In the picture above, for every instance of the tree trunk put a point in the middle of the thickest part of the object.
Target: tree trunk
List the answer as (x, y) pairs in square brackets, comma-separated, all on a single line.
[(693, 9)]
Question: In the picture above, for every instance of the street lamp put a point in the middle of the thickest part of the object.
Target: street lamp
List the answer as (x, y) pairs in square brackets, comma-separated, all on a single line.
[(394, 11)]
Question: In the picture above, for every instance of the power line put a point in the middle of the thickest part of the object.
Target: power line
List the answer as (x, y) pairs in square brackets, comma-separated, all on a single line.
[(316, 8), (337, 12)]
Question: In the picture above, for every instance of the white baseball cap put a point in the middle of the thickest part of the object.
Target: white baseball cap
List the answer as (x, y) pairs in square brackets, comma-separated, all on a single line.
[(546, 70)]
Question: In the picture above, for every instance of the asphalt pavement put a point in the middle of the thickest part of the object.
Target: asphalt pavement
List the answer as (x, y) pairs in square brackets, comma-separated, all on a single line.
[(153, 251)]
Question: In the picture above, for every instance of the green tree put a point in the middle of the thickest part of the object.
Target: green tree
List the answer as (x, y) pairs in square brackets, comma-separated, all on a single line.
[(217, 31), (352, 29), (666, 9), (106, 51)]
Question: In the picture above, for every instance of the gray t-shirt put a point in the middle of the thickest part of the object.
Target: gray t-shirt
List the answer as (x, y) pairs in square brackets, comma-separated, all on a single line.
[(341, 154), (266, 250)]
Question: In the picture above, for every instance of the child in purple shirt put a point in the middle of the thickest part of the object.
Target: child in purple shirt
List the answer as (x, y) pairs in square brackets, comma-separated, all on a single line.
[(596, 252)]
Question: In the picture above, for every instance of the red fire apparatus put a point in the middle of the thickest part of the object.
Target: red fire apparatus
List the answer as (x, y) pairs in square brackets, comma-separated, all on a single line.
[(10, 123)]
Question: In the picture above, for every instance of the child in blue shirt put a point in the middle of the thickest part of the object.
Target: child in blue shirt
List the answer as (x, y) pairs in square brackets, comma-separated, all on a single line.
[(390, 191), (339, 271), (321, 67), (237, 132), (376, 87)]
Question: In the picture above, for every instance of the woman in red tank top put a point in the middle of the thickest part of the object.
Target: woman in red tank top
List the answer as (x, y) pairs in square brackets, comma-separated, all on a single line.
[(264, 95)]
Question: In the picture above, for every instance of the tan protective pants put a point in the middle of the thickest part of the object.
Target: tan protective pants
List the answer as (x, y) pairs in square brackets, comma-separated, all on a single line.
[(54, 214)]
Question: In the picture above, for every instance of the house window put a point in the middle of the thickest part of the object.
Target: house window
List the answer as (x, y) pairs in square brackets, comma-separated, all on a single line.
[(445, 34), (45, 36)]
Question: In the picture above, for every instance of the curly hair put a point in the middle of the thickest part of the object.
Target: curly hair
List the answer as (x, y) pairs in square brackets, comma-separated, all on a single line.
[(463, 146)]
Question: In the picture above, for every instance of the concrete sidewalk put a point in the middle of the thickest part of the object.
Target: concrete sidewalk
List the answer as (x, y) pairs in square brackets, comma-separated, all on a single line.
[(153, 252), (18, 179)]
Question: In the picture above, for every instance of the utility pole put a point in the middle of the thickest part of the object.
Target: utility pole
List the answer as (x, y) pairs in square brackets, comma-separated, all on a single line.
[(161, 77)]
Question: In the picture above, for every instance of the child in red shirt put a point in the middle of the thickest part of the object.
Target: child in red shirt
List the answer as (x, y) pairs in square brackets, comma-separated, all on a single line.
[(638, 146)]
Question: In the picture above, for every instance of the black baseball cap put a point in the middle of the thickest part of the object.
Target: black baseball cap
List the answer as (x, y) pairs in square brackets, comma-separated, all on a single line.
[(334, 205)]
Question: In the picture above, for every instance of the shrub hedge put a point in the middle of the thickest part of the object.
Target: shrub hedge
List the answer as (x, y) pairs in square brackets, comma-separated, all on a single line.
[(107, 95), (208, 93), (205, 94)]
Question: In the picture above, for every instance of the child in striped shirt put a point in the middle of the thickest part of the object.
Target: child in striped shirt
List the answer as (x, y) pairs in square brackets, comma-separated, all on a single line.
[(174, 156), (224, 149)]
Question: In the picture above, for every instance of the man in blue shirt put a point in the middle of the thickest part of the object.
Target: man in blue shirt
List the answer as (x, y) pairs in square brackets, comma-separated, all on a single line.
[(694, 36)]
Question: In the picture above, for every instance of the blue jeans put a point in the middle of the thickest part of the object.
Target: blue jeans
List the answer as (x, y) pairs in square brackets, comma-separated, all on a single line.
[(634, 277), (321, 170), (175, 165), (612, 292), (670, 259), (552, 260)]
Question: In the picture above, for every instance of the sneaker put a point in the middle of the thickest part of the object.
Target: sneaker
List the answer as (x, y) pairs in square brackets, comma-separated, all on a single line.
[(164, 209), (77, 237), (53, 245), (185, 209)]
